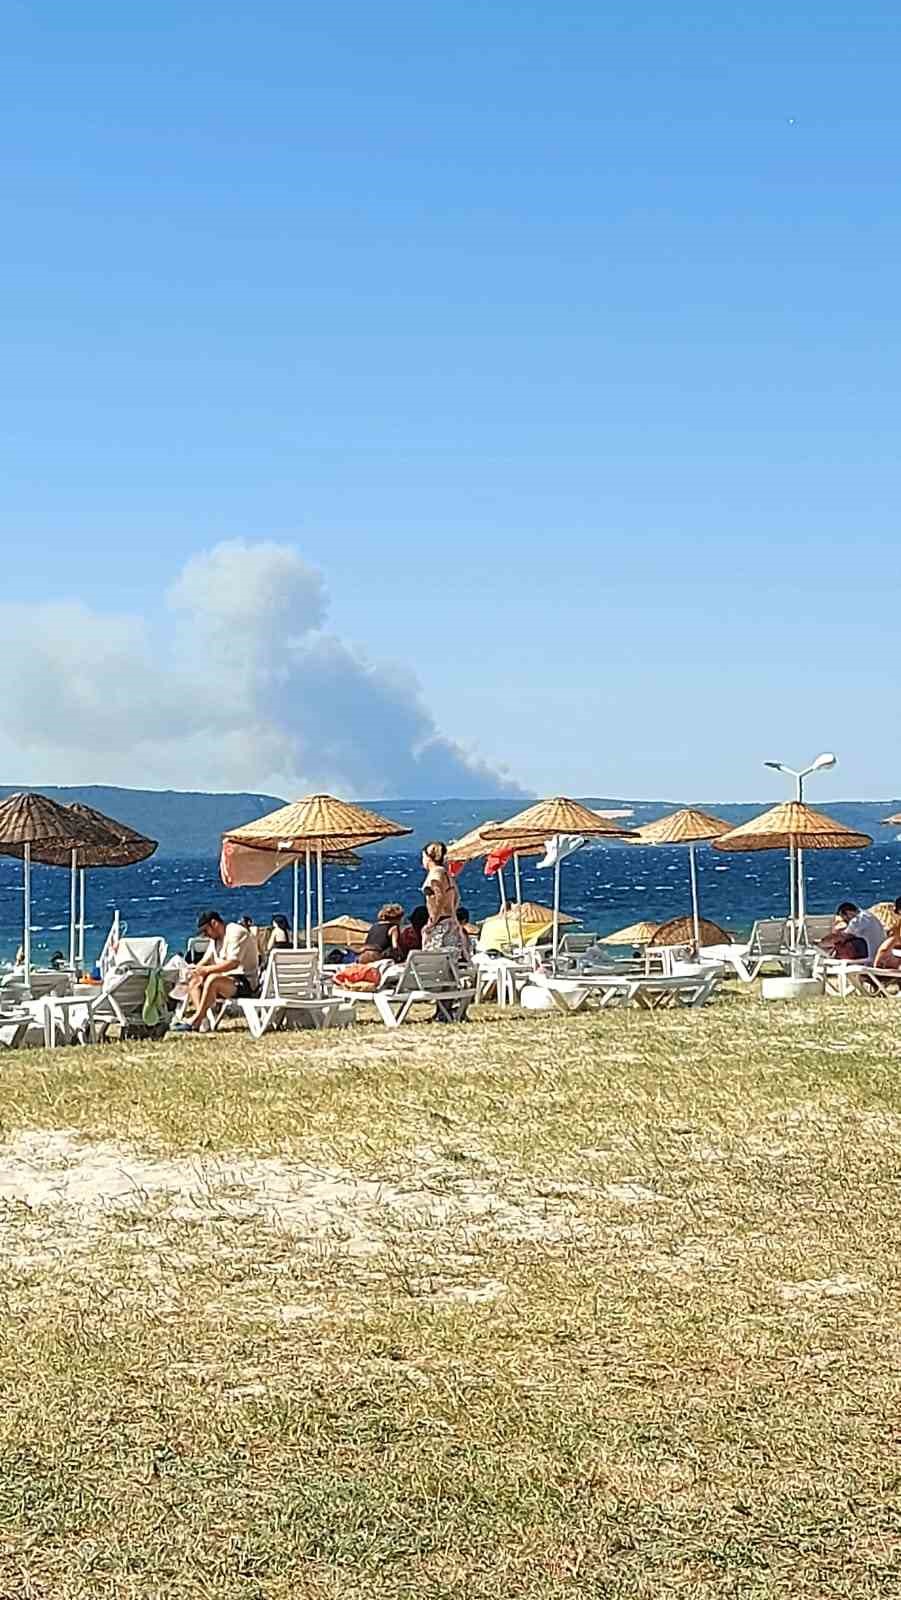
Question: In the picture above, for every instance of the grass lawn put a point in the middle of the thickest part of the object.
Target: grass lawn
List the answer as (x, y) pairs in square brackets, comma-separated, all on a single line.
[(538, 1307)]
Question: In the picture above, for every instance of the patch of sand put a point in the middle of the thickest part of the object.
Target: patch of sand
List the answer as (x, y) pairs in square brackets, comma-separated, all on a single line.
[(54, 1177)]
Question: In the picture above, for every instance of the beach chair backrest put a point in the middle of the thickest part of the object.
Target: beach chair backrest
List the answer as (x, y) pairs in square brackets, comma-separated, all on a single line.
[(43, 982), (140, 952), (817, 928), (123, 998), (292, 975), (575, 944), (768, 937), (428, 972)]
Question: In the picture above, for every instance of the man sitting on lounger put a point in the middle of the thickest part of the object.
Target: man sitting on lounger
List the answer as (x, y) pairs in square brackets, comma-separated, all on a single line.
[(856, 936), (230, 970)]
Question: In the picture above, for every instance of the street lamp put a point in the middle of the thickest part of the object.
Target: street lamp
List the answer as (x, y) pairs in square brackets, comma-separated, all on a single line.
[(796, 865)]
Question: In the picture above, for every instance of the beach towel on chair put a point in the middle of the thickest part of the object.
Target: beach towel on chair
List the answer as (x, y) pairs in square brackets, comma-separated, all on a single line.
[(155, 1000)]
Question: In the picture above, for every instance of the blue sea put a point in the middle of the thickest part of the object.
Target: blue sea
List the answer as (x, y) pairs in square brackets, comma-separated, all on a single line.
[(605, 886)]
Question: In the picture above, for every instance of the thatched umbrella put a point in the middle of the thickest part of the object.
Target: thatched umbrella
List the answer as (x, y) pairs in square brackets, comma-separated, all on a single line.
[(685, 930), (475, 845), (793, 826), (636, 933), (885, 911), (544, 820), (688, 826), (36, 828), (892, 822), (349, 932), (113, 844), (318, 824)]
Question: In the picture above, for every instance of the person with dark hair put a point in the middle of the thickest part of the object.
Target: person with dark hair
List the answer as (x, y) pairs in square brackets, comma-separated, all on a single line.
[(856, 936), (411, 935), (383, 938), (463, 919), (229, 970), (281, 938)]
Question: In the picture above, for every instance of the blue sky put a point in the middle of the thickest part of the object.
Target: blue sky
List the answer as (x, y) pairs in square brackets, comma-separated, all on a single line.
[(562, 341)]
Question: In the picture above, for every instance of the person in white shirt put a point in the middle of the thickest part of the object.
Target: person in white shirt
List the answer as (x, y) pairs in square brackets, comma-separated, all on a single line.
[(229, 970), (856, 936)]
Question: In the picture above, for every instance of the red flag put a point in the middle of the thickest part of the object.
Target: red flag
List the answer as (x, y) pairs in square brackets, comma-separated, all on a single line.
[(497, 859)]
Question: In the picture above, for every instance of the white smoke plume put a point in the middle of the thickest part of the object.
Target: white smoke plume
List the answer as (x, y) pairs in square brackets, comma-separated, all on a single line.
[(237, 685)]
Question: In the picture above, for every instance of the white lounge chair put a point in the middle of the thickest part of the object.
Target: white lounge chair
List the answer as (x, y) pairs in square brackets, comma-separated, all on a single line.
[(428, 977), (291, 996), (648, 992), (121, 1004), (139, 952)]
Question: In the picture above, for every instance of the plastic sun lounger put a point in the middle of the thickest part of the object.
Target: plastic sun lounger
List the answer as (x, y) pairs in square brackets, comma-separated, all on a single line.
[(646, 992), (428, 977), (843, 978), (291, 996)]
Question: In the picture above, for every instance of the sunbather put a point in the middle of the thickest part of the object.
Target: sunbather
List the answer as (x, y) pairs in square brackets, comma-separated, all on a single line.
[(229, 970), (383, 938), (411, 935), (442, 931), (889, 953)]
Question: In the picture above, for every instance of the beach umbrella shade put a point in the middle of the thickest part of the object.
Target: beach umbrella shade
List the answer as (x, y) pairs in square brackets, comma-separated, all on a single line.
[(558, 815), (793, 826), (532, 922), (348, 932), (476, 846), (885, 911), (636, 933), (35, 828), (316, 825), (688, 826), (112, 844), (892, 822), (689, 930)]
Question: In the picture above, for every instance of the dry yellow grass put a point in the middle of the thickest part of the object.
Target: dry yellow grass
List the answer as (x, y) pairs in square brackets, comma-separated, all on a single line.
[(535, 1308)]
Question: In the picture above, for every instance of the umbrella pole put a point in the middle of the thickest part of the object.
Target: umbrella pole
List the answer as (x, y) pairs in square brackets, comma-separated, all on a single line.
[(503, 889), (309, 903), (801, 905), (556, 906), (695, 914), (81, 916), (73, 905), (793, 889), (518, 883), (296, 899), (26, 933), (319, 897)]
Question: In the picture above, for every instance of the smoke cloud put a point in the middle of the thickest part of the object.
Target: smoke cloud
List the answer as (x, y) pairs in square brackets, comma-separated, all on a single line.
[(238, 684)]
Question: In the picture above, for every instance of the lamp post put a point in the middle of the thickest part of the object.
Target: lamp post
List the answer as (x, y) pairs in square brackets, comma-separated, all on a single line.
[(796, 863)]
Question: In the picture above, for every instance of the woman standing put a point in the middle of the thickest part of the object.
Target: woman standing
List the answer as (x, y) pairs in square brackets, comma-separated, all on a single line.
[(442, 897)]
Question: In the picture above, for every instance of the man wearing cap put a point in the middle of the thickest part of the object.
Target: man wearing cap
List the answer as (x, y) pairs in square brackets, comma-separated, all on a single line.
[(230, 970)]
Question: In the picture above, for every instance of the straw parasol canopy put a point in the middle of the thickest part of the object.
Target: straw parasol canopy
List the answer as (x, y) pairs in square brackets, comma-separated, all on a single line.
[(886, 913), (636, 933), (317, 822), (892, 822), (112, 843), (681, 930), (35, 828), (688, 826), (350, 932), (476, 844), (558, 815), (792, 825), (533, 912), (45, 825)]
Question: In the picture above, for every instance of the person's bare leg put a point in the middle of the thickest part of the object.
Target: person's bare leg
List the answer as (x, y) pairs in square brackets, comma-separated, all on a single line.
[(218, 987)]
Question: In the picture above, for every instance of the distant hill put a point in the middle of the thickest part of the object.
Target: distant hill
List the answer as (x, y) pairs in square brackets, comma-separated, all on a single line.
[(189, 824)]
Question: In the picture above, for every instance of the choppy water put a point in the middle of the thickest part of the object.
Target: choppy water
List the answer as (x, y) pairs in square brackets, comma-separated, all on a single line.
[(606, 887)]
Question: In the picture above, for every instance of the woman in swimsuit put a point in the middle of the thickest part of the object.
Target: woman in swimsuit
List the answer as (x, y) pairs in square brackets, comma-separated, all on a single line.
[(442, 931)]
